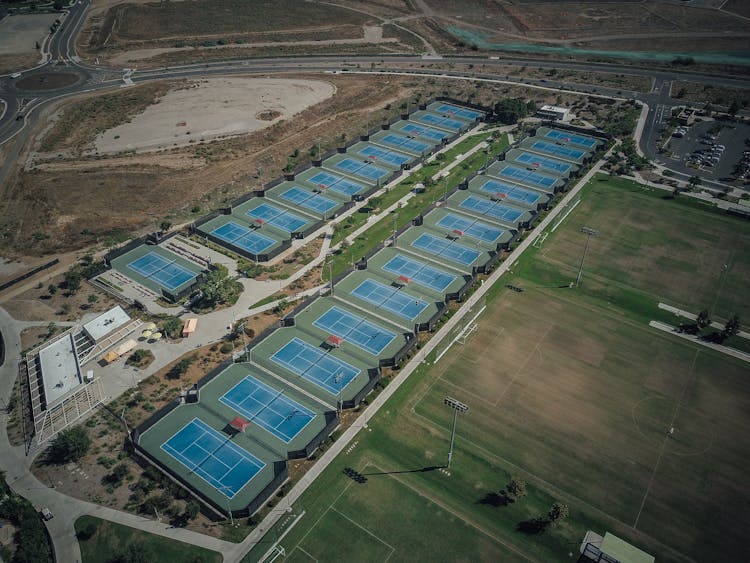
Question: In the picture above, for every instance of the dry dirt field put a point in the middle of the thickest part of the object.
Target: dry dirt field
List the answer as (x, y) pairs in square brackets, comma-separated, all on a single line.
[(112, 27), (213, 108)]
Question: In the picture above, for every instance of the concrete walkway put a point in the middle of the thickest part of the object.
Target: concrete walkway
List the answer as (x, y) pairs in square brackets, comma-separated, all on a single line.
[(692, 316), (698, 340), (346, 438)]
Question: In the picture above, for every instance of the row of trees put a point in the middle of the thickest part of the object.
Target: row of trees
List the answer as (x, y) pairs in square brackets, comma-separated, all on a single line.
[(703, 322), (514, 491)]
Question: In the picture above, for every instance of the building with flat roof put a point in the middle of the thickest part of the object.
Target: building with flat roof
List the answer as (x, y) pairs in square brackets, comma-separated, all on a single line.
[(106, 323), (611, 549), (555, 113), (61, 373)]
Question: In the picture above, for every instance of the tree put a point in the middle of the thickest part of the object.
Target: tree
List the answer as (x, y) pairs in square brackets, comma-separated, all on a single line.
[(703, 319), (694, 181), (57, 5), (165, 225), (218, 288), (93, 298), (732, 327), (516, 488), (192, 509), (51, 289), (557, 512), (172, 327), (734, 108), (73, 279), (69, 445), (510, 110)]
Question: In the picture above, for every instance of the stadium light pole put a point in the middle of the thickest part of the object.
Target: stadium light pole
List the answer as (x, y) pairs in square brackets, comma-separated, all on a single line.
[(229, 509), (589, 232), (395, 226), (337, 380), (458, 407), (330, 273)]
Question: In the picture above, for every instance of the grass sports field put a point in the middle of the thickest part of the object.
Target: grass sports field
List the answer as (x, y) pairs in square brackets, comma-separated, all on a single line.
[(570, 390)]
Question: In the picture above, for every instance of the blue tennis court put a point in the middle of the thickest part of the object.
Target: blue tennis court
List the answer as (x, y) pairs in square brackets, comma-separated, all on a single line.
[(315, 365), (384, 155), (440, 121), (470, 227), (156, 267), (566, 136), (510, 191), (352, 328), (426, 132), (445, 248), (419, 272), (489, 208), (400, 141), (558, 150), (243, 237), (463, 113), (527, 176), (556, 166), (364, 169), (390, 298), (213, 457), (312, 201), (268, 408), (336, 183), (279, 218)]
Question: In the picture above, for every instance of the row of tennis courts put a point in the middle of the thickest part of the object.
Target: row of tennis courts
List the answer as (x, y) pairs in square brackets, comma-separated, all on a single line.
[(231, 444)]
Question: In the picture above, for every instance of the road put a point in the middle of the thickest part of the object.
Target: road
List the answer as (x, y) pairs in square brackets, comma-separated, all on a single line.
[(61, 57)]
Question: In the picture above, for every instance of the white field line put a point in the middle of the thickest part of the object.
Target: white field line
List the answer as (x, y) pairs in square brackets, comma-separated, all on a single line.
[(572, 207), (452, 342), (284, 533)]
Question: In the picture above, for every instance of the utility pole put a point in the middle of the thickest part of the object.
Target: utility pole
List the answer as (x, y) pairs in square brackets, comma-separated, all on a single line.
[(589, 232), (339, 377), (458, 407)]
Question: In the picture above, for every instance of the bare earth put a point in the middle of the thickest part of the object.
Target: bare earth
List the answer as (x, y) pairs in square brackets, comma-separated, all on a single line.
[(212, 108)]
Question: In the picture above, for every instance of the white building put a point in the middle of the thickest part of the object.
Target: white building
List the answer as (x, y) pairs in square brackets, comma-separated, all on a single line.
[(555, 113)]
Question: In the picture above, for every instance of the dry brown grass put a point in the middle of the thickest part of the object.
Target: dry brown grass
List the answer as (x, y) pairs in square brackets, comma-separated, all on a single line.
[(16, 62), (708, 93)]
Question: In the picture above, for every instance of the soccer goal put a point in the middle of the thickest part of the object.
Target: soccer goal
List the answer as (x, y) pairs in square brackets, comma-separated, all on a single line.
[(466, 334)]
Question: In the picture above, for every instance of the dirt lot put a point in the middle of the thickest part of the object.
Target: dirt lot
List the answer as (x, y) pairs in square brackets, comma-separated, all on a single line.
[(211, 21), (213, 108)]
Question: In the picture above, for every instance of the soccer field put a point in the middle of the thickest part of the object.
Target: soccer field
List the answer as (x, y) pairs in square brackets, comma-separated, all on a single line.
[(675, 251), (572, 391)]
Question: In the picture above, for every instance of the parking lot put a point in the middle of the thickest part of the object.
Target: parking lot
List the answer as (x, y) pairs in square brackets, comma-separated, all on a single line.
[(711, 149)]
